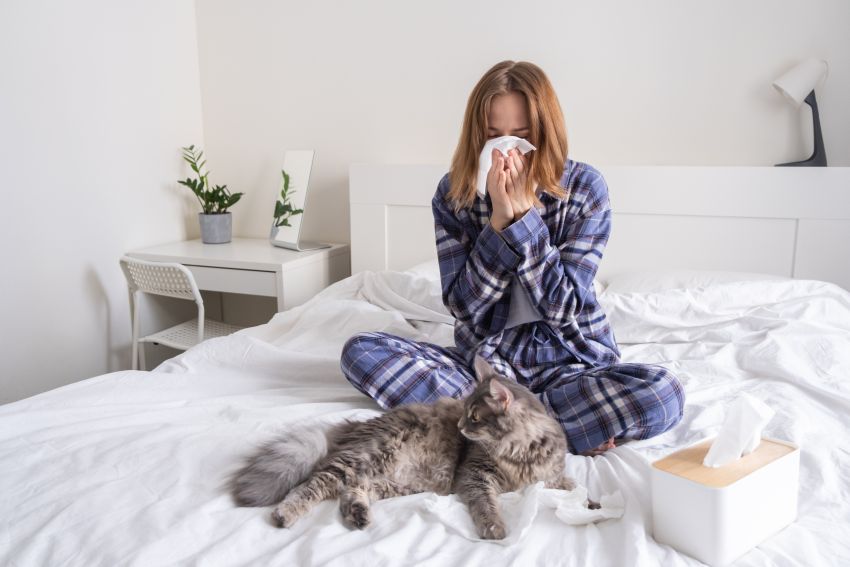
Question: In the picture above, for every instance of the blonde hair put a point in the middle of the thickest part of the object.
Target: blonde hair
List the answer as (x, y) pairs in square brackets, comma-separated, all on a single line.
[(546, 131)]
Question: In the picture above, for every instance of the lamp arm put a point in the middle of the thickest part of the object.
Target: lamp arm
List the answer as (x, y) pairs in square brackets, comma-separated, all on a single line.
[(818, 157)]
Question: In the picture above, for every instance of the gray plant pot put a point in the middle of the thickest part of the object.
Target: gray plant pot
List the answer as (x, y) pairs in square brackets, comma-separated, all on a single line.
[(216, 229)]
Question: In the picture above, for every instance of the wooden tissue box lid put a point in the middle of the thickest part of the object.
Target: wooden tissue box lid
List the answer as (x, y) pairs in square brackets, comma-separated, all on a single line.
[(687, 463)]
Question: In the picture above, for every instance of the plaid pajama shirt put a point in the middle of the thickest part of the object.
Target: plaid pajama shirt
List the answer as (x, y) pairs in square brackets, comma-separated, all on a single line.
[(569, 358)]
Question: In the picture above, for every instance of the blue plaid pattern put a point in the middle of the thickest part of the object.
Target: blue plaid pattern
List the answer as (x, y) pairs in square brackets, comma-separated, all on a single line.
[(395, 370), (592, 404), (554, 252), (569, 358)]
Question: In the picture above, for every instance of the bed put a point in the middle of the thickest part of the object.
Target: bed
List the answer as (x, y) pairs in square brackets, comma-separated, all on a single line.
[(129, 468)]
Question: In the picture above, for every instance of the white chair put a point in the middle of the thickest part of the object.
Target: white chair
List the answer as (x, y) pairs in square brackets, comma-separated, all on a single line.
[(172, 280)]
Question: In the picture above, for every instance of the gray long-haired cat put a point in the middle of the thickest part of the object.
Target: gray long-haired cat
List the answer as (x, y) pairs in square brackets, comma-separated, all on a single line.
[(499, 439)]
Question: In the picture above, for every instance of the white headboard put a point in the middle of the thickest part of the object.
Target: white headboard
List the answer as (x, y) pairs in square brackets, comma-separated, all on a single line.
[(791, 221)]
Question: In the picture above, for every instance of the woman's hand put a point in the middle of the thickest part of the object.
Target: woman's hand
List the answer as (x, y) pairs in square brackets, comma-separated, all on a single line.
[(503, 213), (506, 186), (517, 170)]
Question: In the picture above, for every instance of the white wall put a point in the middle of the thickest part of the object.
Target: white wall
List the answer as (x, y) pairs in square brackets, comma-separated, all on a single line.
[(660, 82), (96, 98)]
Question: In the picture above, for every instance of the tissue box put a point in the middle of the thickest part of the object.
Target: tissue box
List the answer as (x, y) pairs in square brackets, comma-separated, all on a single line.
[(717, 514)]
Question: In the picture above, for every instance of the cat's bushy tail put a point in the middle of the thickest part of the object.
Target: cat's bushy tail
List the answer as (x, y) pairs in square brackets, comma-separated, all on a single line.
[(278, 466)]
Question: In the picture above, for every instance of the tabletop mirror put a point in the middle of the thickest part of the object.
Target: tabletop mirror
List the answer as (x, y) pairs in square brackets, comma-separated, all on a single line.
[(291, 202)]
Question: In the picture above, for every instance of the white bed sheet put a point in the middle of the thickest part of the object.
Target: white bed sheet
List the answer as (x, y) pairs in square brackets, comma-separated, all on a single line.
[(128, 468)]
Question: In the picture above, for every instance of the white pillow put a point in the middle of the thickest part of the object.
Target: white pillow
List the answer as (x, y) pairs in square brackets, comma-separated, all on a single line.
[(430, 268), (651, 281)]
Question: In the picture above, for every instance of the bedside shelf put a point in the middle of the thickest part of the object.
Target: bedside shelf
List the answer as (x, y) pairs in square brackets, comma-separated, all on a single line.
[(252, 266)]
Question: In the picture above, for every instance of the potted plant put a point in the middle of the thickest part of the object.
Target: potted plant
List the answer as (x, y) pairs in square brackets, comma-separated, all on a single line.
[(283, 209), (216, 222)]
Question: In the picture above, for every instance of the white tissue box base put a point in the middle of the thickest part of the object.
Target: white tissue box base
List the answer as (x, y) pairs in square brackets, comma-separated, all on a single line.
[(719, 524)]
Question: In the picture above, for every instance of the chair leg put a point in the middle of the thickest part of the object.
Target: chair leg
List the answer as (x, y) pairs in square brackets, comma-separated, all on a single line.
[(142, 365), (135, 300)]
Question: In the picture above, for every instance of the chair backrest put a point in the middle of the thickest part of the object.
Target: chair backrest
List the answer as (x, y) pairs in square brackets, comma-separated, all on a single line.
[(160, 278)]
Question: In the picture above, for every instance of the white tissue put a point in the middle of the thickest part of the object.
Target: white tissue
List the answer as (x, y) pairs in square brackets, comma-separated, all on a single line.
[(503, 144), (740, 433), (520, 508), (571, 508)]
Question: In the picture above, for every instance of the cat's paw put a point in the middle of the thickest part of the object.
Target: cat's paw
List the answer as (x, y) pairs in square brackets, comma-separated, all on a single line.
[(282, 517), (356, 515), (492, 530), (561, 483)]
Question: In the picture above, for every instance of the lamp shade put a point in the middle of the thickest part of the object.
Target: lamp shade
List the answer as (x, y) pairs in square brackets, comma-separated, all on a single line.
[(797, 83)]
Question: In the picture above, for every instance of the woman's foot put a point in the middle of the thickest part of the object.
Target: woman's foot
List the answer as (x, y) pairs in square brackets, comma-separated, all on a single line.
[(610, 444)]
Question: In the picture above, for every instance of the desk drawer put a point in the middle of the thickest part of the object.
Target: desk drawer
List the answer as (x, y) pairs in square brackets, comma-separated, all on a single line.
[(251, 282)]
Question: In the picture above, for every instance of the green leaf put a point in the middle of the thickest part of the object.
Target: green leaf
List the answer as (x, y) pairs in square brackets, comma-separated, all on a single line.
[(214, 199)]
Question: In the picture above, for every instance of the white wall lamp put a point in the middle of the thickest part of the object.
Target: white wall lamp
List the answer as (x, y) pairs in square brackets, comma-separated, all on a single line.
[(798, 85)]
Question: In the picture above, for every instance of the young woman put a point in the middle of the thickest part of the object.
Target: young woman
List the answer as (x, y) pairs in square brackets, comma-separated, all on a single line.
[(534, 241)]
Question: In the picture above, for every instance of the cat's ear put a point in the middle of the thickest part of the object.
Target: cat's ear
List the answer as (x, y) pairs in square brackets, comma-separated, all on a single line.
[(482, 368), (502, 394)]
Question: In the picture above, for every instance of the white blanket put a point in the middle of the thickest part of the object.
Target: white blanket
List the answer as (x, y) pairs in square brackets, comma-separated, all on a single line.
[(128, 468)]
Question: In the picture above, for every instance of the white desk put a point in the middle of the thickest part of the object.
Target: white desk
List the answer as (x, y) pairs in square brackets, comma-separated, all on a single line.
[(253, 266)]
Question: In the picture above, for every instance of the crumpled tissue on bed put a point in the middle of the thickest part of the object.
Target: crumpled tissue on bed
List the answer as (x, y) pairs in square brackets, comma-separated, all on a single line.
[(520, 508), (503, 144)]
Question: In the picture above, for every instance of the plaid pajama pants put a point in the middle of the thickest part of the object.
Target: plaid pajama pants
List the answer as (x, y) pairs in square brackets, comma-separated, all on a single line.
[(592, 404)]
